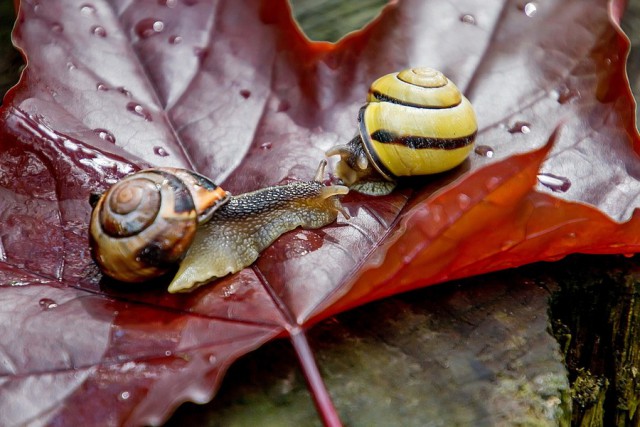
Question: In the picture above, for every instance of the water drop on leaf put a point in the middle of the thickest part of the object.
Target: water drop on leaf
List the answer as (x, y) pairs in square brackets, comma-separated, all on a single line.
[(105, 135), (555, 183), (139, 110), (47, 303), (168, 3), (201, 53), (148, 27), (87, 9), (520, 127), (566, 95), (468, 19), (160, 151), (283, 106), (123, 91), (99, 31), (463, 201), (492, 183), (529, 8), (484, 151)]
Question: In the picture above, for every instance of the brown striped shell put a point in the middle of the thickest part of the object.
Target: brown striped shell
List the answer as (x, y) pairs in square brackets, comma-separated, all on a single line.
[(145, 222)]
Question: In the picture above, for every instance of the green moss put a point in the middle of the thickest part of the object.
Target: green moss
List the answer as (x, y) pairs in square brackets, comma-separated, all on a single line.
[(587, 390), (533, 402), (596, 317), (330, 20), (10, 60)]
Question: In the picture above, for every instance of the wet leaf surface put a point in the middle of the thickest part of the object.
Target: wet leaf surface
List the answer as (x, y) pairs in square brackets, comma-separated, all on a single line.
[(234, 91)]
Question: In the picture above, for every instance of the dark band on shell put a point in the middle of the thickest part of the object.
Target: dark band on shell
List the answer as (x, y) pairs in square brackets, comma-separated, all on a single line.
[(422, 142)]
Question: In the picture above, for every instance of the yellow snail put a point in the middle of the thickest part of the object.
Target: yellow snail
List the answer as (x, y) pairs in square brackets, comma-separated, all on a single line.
[(156, 218), (415, 122)]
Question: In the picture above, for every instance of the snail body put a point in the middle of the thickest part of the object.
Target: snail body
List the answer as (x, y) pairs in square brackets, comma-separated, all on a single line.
[(240, 230), (415, 122), (210, 236)]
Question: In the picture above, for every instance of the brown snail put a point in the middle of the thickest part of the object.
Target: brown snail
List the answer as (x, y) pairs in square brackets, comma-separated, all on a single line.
[(154, 219), (415, 122)]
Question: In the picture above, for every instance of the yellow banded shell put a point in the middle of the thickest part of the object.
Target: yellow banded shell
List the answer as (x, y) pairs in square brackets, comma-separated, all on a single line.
[(415, 122)]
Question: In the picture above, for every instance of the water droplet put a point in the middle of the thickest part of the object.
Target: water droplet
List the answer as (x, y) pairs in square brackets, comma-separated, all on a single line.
[(57, 28), (15, 283), (463, 201), (492, 183), (105, 135), (468, 19), (266, 146), (283, 106), (520, 127), (123, 91), (71, 66), (87, 9), (102, 87), (213, 359), (139, 110), (437, 213), (201, 53), (148, 27), (99, 31), (484, 151), (529, 9), (160, 151), (47, 303), (245, 93), (168, 353), (175, 39), (566, 95), (555, 183), (169, 3), (124, 395)]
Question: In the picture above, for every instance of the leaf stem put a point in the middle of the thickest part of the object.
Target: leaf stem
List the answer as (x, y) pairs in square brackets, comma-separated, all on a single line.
[(321, 397)]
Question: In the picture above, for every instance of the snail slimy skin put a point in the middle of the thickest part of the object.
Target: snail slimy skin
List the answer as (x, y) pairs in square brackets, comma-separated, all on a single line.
[(415, 122), (239, 231), (229, 237)]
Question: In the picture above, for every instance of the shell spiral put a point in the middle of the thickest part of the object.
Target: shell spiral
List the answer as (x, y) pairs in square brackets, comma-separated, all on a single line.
[(416, 122), (145, 222)]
